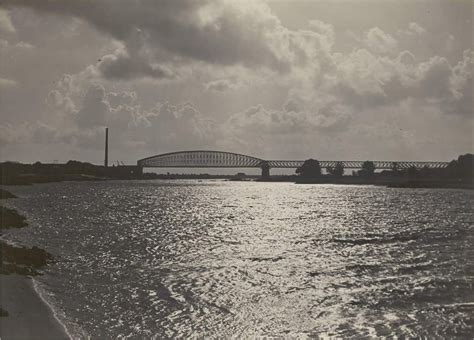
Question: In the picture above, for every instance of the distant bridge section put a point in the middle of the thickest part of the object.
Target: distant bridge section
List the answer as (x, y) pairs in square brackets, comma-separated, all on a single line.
[(201, 159), (358, 164), (220, 159)]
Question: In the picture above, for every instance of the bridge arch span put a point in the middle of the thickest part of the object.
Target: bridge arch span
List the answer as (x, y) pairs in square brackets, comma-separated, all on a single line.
[(201, 159)]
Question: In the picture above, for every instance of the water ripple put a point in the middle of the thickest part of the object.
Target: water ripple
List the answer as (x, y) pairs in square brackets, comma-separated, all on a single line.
[(228, 259)]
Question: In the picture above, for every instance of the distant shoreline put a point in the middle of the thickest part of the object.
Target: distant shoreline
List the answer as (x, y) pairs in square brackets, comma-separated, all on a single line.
[(394, 182), (459, 173)]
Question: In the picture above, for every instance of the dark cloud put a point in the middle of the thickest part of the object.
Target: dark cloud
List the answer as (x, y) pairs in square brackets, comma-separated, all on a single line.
[(116, 67), (216, 32)]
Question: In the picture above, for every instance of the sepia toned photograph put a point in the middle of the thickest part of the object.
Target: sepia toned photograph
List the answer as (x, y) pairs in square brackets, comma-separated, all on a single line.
[(236, 169)]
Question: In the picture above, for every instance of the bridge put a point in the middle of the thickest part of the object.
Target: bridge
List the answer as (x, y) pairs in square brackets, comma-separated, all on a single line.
[(221, 159)]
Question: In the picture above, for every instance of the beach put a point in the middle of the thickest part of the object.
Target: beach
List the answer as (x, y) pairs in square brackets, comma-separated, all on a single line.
[(29, 316), (24, 313)]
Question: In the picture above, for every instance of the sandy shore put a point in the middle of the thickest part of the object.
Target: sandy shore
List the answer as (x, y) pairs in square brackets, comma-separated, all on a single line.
[(29, 317)]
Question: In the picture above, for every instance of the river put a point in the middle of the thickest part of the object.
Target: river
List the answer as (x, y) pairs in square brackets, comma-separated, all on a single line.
[(248, 259)]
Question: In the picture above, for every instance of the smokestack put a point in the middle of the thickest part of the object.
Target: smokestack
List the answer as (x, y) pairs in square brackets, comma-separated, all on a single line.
[(106, 160)]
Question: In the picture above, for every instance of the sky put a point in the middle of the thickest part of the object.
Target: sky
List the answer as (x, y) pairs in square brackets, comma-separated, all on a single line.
[(275, 79)]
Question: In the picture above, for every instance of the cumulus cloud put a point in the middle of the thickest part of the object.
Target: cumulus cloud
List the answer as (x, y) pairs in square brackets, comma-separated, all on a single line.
[(27, 132), (324, 30), (262, 130), (6, 26), (123, 66), (380, 42), (416, 28), (84, 109), (461, 100), (222, 85), (7, 83), (94, 109), (365, 80), (225, 33), (413, 29)]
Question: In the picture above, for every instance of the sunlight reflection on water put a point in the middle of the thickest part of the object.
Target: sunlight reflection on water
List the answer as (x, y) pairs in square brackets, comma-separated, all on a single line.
[(214, 258)]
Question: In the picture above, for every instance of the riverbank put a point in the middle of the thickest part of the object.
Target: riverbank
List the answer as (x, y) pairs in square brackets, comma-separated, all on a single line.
[(29, 316), (29, 179), (24, 313)]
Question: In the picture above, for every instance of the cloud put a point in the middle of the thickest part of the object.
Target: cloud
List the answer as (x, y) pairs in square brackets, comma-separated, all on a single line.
[(450, 43), (263, 131), (7, 83), (366, 80), (123, 98), (414, 29), (6, 26), (11, 50), (94, 109), (380, 42), (222, 85), (122, 66), (461, 82), (221, 33), (285, 89), (84, 109), (26, 132), (324, 30), (293, 105)]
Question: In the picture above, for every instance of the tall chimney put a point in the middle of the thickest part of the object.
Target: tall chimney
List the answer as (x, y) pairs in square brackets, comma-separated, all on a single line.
[(106, 160)]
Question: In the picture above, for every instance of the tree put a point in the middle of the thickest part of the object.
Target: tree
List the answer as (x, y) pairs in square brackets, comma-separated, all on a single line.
[(368, 168), (309, 169), (463, 167), (395, 166), (466, 166), (338, 171)]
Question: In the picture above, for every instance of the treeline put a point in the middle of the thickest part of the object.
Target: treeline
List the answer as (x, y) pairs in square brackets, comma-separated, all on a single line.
[(71, 167), (19, 173), (461, 169)]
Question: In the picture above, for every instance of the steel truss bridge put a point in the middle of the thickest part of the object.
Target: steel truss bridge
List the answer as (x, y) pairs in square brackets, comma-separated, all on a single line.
[(220, 159)]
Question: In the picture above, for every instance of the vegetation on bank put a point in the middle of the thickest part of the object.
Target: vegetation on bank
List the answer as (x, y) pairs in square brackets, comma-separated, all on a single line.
[(9, 218), (17, 259), (14, 173), (22, 260), (6, 194), (458, 174)]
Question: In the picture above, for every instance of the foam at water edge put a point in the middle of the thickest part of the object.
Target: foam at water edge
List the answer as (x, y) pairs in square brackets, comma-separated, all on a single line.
[(40, 292)]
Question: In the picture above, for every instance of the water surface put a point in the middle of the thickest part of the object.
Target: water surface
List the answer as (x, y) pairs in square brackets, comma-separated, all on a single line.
[(245, 259)]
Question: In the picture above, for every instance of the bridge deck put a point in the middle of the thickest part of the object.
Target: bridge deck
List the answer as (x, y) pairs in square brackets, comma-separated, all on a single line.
[(219, 159)]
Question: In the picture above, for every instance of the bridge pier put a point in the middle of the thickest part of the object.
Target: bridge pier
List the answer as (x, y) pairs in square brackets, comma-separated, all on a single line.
[(265, 170)]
